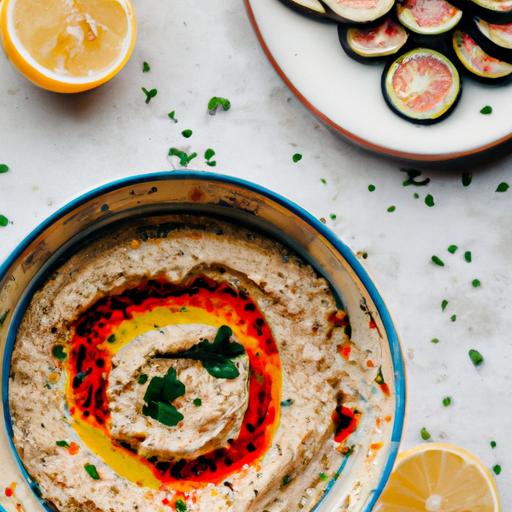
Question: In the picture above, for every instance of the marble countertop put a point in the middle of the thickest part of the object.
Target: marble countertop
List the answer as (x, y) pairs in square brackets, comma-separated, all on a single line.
[(57, 146)]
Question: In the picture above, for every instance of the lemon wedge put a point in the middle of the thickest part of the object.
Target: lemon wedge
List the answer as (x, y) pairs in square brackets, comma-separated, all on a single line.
[(68, 46), (439, 477)]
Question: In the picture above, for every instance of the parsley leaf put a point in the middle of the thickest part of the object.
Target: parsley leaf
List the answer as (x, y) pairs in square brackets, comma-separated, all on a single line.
[(92, 471), (150, 94), (425, 434), (371, 188), (62, 444), (4, 221), (476, 283), (187, 133), (197, 402), (437, 261), (3, 168), (391, 209), (468, 256), (180, 505), (59, 353), (412, 174), (503, 187), (185, 158), (452, 249), (467, 178), (143, 378), (172, 116), (497, 469), (217, 102), (429, 200), (145, 67), (486, 110), (297, 157), (444, 303), (447, 401), (493, 444), (476, 358)]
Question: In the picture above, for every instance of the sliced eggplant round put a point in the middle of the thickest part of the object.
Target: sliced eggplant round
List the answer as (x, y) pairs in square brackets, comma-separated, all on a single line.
[(312, 8), (477, 63), (494, 39), (495, 11), (428, 17), (373, 44), (422, 85)]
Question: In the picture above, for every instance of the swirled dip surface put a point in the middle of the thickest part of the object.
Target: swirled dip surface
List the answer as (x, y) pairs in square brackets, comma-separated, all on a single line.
[(125, 316)]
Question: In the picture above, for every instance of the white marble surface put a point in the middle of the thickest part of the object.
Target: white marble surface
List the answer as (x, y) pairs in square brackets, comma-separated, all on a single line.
[(58, 146)]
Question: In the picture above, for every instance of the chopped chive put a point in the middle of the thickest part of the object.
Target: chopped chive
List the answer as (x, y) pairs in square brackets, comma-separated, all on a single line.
[(391, 209), (468, 256), (412, 174), (92, 471), (145, 67), (62, 444), (429, 200), (437, 261), (172, 116), (197, 402), (297, 157), (447, 401), (452, 249), (453, 318), (217, 102), (435, 341), (493, 444), (486, 110), (371, 188), (476, 358), (444, 303), (476, 283), (187, 133), (497, 469), (4, 221), (503, 187), (150, 94), (467, 178), (425, 434), (3, 168), (180, 505), (143, 378)]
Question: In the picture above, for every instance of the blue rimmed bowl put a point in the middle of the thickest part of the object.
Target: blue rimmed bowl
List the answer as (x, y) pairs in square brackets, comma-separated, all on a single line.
[(362, 475)]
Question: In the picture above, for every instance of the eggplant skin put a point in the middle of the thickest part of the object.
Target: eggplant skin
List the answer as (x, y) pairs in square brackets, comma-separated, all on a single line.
[(377, 59), (308, 12), (474, 9), (424, 122), (487, 45)]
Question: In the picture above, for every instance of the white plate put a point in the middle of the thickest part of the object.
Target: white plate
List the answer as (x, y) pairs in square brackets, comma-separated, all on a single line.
[(347, 95)]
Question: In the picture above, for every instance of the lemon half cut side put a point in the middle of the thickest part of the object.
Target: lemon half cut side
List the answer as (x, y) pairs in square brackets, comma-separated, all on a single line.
[(68, 46)]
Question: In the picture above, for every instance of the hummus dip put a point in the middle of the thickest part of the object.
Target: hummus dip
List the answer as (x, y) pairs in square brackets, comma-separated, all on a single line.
[(184, 363)]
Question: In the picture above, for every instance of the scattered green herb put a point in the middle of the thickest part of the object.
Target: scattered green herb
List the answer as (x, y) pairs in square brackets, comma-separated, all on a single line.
[(486, 110), (287, 402), (3, 168), (468, 256), (185, 159), (208, 155), (497, 469), (371, 188), (391, 209), (447, 401), (493, 444), (416, 195), (180, 505), (412, 174), (197, 402), (145, 67), (286, 480), (172, 116), (297, 157), (62, 444), (150, 94), (111, 338), (453, 318), (467, 178), (215, 357), (444, 303), (476, 358), (452, 249), (187, 133), (425, 434), (59, 353), (143, 378), (92, 471), (437, 261), (476, 283), (217, 102), (332, 216), (323, 477), (503, 187), (434, 340), (379, 379), (429, 200), (323, 180), (4, 221)]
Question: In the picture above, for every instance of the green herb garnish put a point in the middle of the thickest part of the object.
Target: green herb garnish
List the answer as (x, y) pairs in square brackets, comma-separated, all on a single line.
[(187, 133), (497, 469), (323, 477), (452, 249), (180, 505), (493, 444), (467, 178), (4, 221), (412, 174), (476, 283), (111, 338), (371, 188), (208, 155), (453, 318), (215, 357), (59, 353), (197, 402), (92, 471), (425, 434), (185, 159), (503, 187), (391, 209), (3, 168), (447, 401), (297, 157), (172, 116), (468, 256), (333, 216), (429, 200), (435, 341), (476, 358), (217, 102), (416, 195), (150, 94), (143, 378), (379, 379), (444, 303), (323, 180), (62, 444), (145, 67), (437, 261), (486, 110)]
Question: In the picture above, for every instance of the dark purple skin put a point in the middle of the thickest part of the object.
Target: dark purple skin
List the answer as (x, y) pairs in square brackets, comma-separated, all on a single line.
[(343, 37), (407, 118), (486, 14), (487, 45), (330, 15), (482, 79)]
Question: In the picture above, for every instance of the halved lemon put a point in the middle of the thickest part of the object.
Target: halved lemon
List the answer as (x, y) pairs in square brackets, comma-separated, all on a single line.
[(439, 477), (68, 46)]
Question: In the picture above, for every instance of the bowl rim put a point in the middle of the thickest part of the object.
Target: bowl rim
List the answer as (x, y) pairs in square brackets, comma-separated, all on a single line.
[(341, 247)]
